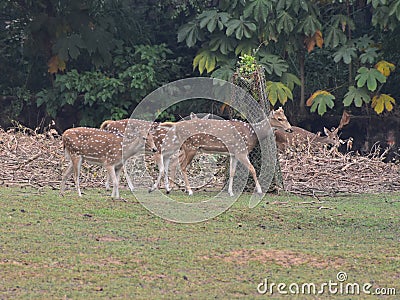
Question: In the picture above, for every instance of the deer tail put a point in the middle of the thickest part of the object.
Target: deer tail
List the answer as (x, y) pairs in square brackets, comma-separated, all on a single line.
[(167, 124), (65, 148), (105, 124)]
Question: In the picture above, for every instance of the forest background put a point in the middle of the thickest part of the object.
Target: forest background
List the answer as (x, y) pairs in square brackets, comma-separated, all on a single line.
[(81, 62)]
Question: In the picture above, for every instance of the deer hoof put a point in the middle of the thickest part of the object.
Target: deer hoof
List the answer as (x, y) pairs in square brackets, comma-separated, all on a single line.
[(259, 194)]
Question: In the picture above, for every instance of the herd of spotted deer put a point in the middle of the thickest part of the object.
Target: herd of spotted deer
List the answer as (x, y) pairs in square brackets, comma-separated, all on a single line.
[(116, 141)]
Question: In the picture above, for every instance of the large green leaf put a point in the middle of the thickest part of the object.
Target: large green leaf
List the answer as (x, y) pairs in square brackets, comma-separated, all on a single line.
[(322, 102), (228, 4), (394, 9), (376, 3), (273, 64), (258, 9), (286, 22), (68, 46), (269, 32), (212, 18), (295, 5), (225, 73), (381, 18), (241, 28), (205, 60), (189, 33), (222, 43), (99, 44), (369, 56), (370, 77), (342, 21), (346, 54), (309, 25), (334, 37), (232, 26), (278, 91), (246, 46), (290, 80), (358, 96), (208, 18), (363, 42)]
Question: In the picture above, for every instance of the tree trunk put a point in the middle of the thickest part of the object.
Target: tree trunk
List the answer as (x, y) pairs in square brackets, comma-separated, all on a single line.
[(349, 38), (302, 104)]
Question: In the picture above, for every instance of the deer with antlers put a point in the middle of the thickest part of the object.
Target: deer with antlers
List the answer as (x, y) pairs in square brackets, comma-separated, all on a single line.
[(231, 137), (105, 148), (300, 137)]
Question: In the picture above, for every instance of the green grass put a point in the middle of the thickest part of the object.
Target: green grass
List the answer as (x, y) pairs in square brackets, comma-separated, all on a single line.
[(94, 247)]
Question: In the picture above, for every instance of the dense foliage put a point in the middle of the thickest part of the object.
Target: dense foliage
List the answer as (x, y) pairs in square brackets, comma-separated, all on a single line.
[(340, 47), (84, 61), (90, 59)]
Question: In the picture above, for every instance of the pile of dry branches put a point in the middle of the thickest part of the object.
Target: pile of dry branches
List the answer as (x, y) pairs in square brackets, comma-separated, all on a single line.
[(37, 160), (326, 173)]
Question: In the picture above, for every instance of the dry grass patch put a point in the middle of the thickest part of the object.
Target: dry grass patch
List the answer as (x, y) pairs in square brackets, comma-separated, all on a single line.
[(284, 258)]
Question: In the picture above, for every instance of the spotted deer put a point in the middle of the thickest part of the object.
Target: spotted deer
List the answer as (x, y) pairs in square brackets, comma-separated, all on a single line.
[(102, 147), (119, 127), (231, 137), (300, 137), (158, 133), (190, 147)]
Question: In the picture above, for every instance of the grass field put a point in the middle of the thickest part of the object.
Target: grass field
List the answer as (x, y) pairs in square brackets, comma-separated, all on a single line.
[(94, 247)]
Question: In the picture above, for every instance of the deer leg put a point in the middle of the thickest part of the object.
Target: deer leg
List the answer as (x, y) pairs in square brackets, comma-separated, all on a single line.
[(108, 182), (244, 159), (67, 173), (159, 160), (175, 160), (128, 179), (118, 175), (189, 155), (166, 166), (77, 163), (112, 173), (232, 169), (118, 172)]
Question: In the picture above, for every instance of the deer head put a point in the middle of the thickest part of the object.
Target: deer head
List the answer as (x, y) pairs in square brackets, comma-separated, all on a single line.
[(300, 137), (332, 138)]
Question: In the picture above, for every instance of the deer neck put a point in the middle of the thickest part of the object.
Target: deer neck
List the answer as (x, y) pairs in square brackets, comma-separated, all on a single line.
[(263, 129), (131, 147), (322, 139)]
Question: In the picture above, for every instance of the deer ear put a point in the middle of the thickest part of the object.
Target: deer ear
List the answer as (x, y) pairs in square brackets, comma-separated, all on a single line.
[(193, 115), (206, 117), (326, 130)]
